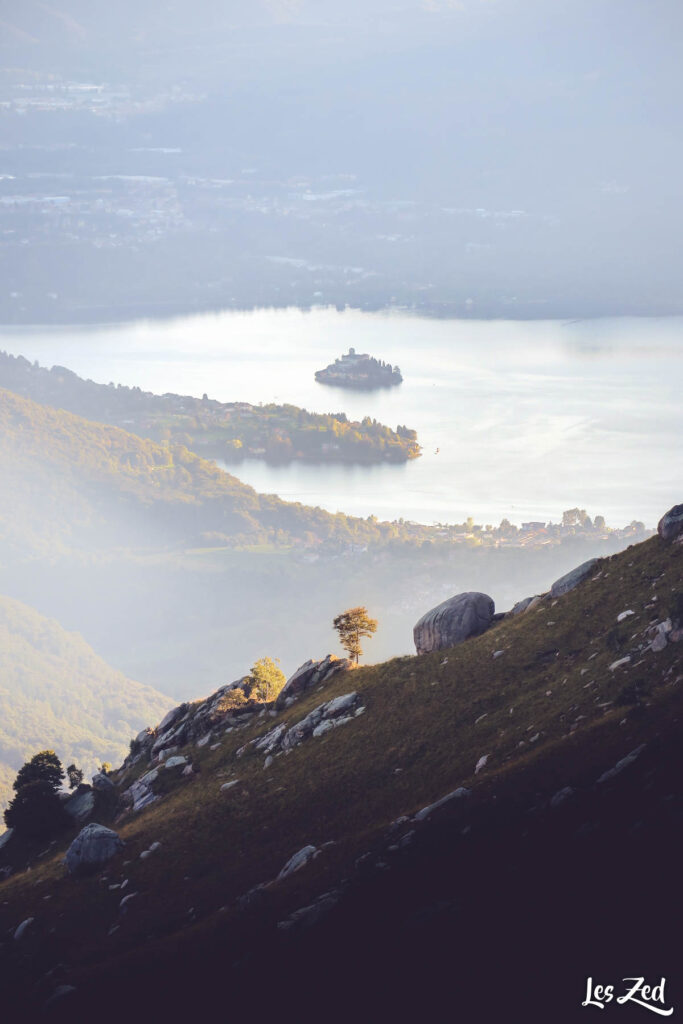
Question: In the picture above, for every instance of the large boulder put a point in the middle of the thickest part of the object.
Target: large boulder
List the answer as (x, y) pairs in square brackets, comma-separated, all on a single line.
[(308, 676), (453, 621), (93, 846), (670, 526), (573, 578)]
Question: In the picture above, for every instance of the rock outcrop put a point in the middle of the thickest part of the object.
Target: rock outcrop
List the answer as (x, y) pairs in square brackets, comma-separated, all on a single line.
[(102, 783), (93, 846), (81, 804), (526, 605), (670, 526), (573, 578), (309, 675), (453, 621), (317, 722)]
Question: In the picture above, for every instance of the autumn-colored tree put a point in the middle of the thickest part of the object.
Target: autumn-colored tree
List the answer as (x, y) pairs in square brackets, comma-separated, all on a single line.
[(267, 679), (352, 625)]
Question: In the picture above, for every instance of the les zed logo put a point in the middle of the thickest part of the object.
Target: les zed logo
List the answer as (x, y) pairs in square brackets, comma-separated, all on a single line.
[(639, 993)]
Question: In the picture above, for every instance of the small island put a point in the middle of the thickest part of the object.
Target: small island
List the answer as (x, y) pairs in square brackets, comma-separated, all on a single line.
[(359, 370)]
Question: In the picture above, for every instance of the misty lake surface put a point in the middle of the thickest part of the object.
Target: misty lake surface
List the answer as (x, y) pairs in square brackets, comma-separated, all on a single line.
[(517, 419)]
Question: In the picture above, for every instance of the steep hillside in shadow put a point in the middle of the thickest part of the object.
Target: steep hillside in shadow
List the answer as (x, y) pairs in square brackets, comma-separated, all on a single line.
[(556, 737)]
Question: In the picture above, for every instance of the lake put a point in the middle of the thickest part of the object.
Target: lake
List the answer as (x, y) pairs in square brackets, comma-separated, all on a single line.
[(518, 419)]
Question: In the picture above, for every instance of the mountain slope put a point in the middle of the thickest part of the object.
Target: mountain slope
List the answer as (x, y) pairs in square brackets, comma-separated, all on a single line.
[(56, 693), (75, 483), (554, 712)]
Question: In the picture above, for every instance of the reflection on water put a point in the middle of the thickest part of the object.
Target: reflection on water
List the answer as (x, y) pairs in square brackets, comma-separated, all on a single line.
[(529, 418)]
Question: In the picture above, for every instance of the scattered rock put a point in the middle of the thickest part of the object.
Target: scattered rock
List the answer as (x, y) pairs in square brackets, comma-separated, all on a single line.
[(624, 615), (308, 916), (481, 763), (93, 846), (58, 996), (228, 785), (456, 794), (298, 861), (659, 642), (670, 526), (624, 763), (175, 762), (573, 578), (23, 928), (619, 663), (453, 621), (126, 900), (271, 739), (144, 801), (561, 796)]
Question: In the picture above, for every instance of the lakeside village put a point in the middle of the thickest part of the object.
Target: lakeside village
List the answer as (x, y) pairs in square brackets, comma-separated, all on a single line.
[(575, 526)]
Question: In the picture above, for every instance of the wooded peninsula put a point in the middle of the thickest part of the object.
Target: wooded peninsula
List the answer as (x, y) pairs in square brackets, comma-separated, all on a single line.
[(228, 431)]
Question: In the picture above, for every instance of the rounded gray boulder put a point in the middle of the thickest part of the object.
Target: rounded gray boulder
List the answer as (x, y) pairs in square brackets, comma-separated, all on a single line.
[(453, 621), (670, 526), (93, 846)]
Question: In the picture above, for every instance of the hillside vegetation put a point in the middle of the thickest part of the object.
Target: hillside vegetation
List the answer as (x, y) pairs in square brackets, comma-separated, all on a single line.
[(545, 701), (222, 430), (55, 692), (76, 483)]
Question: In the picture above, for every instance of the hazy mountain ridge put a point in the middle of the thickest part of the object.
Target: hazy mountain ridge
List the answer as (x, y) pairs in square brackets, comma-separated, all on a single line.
[(56, 693)]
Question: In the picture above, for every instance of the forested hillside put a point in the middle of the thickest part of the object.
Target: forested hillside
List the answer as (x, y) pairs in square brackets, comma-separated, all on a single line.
[(99, 486), (228, 431), (55, 692)]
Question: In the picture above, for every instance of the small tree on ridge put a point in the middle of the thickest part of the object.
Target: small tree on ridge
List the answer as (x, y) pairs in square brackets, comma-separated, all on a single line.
[(352, 625)]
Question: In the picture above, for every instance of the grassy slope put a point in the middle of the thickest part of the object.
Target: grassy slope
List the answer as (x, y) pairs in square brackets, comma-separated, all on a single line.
[(55, 692), (553, 680)]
